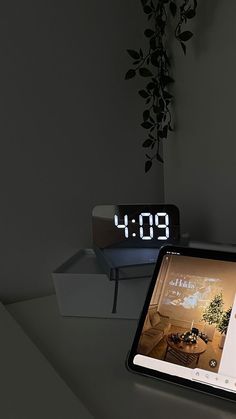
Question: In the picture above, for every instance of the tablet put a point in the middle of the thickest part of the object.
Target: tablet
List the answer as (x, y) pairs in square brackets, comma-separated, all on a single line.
[(187, 329)]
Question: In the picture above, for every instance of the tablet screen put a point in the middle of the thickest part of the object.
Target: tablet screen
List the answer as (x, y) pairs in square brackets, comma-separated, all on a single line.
[(187, 330)]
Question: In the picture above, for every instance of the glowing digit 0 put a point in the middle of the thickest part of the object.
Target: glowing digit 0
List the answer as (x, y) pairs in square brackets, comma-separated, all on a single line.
[(150, 220), (164, 225), (125, 225)]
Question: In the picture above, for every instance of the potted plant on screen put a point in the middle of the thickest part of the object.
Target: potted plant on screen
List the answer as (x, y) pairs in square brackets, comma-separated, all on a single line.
[(222, 326), (212, 315)]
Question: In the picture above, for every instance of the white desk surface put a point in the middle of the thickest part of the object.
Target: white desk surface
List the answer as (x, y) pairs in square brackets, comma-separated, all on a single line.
[(89, 354), (29, 387)]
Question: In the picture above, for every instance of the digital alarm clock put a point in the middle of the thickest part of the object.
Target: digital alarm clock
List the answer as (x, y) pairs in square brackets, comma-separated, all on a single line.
[(127, 239), (135, 226)]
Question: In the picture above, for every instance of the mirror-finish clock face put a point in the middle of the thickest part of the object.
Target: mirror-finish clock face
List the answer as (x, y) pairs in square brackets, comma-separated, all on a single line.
[(135, 225)]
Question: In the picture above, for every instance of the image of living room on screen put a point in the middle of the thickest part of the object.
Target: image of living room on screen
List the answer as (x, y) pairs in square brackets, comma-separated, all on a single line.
[(189, 320)]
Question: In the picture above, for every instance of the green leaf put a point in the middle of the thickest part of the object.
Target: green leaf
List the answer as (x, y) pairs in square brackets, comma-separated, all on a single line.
[(160, 116), (153, 44), (163, 133), (144, 72), (148, 33), (161, 104), (167, 95), (147, 10), (156, 91), (146, 115), (173, 8), (159, 158), (148, 165), (147, 143), (146, 125), (134, 54), (183, 47), (166, 80), (130, 74), (154, 58), (185, 36), (150, 86), (143, 94), (190, 14), (161, 23), (155, 109)]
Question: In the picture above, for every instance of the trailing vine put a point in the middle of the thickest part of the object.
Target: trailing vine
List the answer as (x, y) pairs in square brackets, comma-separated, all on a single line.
[(154, 65)]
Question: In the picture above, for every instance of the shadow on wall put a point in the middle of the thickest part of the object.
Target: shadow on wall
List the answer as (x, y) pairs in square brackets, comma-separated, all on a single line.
[(200, 227), (206, 12)]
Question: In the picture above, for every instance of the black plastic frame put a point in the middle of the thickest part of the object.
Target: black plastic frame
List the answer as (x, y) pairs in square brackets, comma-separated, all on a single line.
[(137, 242), (185, 251)]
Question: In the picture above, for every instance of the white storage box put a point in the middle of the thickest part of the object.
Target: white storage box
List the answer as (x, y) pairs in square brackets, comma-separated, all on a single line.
[(83, 289)]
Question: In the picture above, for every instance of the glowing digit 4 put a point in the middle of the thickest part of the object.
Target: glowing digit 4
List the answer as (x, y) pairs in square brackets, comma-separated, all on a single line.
[(164, 225), (125, 225)]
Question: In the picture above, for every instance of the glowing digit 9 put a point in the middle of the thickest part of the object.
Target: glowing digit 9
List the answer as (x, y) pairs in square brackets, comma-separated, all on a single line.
[(164, 225)]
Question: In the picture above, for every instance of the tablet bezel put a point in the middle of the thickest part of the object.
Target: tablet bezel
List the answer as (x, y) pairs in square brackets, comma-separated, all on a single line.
[(185, 251)]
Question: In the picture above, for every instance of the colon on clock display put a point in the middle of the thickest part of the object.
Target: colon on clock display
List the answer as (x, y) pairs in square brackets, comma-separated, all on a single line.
[(135, 225)]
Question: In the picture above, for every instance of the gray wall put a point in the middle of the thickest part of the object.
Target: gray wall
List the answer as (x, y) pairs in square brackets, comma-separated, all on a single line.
[(69, 129), (200, 169)]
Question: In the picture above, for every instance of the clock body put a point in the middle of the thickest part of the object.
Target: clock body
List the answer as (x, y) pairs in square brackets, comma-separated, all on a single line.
[(135, 226)]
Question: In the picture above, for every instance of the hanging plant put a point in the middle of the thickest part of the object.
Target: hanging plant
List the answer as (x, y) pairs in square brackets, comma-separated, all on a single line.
[(155, 66)]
